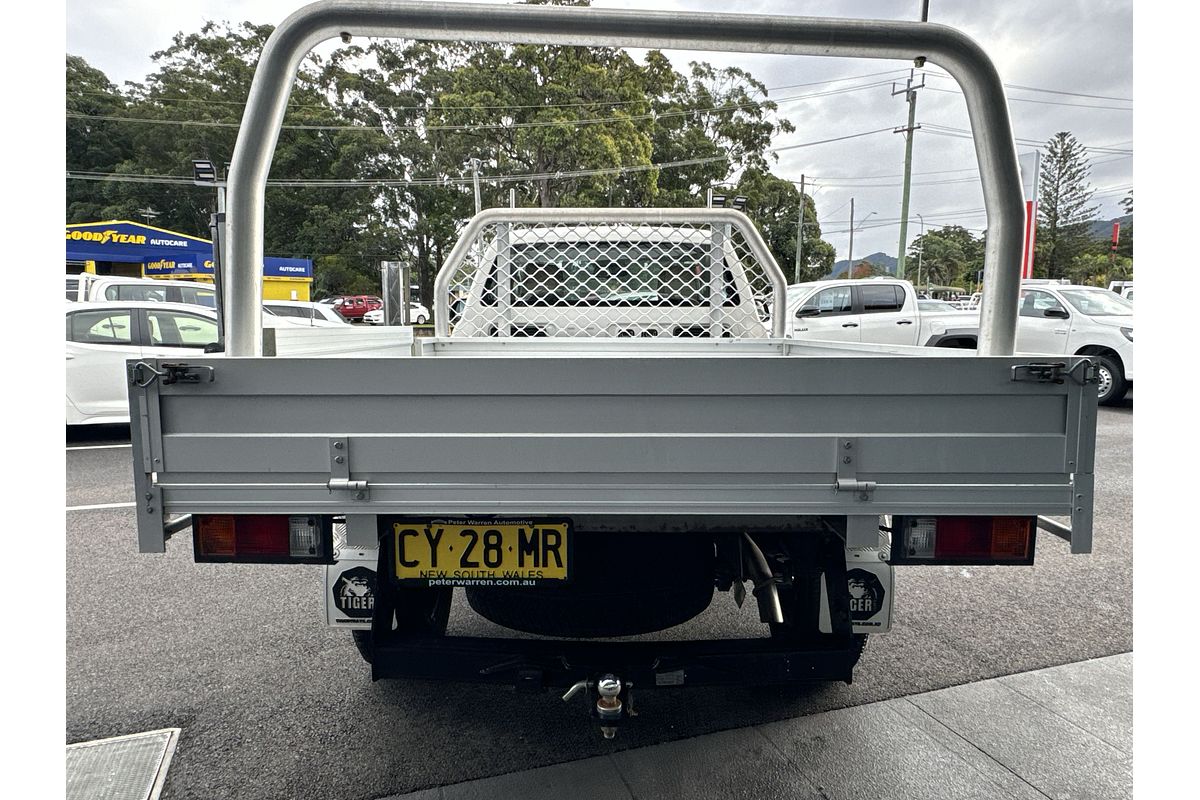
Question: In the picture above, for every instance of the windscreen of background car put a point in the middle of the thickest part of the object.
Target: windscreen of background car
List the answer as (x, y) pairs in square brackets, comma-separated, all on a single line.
[(1098, 302), (609, 274)]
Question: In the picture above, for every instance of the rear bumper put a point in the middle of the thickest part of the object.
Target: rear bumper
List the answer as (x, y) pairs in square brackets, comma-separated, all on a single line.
[(536, 664)]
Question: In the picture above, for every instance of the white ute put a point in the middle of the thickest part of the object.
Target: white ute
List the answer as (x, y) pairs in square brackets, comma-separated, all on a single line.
[(1064, 319), (874, 310)]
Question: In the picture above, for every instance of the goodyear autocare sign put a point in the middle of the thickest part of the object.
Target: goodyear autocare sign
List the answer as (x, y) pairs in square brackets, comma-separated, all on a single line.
[(163, 253), (132, 242), (153, 267)]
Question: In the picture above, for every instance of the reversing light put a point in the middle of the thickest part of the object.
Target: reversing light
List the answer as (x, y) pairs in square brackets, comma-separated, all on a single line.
[(963, 540), (262, 538)]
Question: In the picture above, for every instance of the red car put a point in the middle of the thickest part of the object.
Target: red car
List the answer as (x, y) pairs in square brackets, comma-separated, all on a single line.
[(353, 307)]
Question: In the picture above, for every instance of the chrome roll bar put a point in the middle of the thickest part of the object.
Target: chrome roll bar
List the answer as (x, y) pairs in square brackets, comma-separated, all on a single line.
[(295, 37)]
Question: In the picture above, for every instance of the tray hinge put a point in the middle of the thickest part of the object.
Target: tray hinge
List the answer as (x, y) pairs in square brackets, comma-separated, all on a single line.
[(339, 470), (847, 470)]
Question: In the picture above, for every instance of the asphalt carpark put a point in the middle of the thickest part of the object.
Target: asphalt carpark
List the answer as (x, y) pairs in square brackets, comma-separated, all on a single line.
[(272, 703)]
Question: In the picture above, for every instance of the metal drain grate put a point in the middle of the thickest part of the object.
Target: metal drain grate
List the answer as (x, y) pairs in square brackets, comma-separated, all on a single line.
[(130, 767)]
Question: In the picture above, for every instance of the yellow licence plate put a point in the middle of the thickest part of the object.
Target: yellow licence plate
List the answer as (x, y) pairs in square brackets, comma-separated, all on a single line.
[(469, 552)]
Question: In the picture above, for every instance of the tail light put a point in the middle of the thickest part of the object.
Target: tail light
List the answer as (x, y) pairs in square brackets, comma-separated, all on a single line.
[(963, 540), (263, 538)]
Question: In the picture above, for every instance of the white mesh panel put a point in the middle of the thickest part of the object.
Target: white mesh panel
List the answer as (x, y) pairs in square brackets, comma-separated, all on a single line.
[(609, 279)]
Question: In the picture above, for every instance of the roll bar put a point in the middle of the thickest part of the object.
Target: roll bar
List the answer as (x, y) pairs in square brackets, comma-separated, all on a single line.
[(950, 49)]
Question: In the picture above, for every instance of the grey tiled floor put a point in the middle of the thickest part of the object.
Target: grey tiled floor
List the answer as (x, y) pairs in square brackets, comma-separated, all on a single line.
[(1062, 733)]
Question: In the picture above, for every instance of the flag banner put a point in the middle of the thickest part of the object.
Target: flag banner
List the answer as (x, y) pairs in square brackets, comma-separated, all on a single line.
[(1030, 165)]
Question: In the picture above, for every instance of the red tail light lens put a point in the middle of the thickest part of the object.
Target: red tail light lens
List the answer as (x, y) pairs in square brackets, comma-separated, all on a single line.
[(261, 538), (963, 540)]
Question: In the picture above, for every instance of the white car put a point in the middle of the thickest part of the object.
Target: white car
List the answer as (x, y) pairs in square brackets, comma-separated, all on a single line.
[(101, 336), (100, 288), (877, 311), (417, 315), (312, 314), (1062, 319)]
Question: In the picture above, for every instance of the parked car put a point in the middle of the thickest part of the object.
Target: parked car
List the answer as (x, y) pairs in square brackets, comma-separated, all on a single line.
[(1123, 288), (309, 313), (1057, 318), (417, 315), (101, 336), (875, 310), (100, 288), (354, 307)]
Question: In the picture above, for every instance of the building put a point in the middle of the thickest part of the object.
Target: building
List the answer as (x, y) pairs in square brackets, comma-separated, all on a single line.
[(131, 249)]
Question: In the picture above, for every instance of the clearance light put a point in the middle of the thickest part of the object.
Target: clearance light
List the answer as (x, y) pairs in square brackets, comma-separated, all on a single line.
[(262, 538), (963, 540)]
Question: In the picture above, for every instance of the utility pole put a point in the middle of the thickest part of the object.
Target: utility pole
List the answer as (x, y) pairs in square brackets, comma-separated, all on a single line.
[(850, 269), (910, 92), (475, 178), (800, 231)]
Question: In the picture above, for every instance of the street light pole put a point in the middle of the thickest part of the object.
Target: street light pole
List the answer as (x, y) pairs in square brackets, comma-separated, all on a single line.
[(850, 254), (921, 252), (204, 173), (800, 231)]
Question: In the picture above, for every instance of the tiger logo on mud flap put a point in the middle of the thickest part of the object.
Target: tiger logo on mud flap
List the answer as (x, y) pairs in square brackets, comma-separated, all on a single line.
[(354, 592), (866, 594)]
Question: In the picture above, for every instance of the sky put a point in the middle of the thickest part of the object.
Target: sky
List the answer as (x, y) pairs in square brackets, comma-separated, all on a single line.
[(1049, 55)]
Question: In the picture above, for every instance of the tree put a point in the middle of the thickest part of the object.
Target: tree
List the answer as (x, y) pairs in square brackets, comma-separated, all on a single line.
[(774, 205), (1063, 206), (949, 256), (406, 121), (548, 112), (93, 144), (1098, 269), (867, 269), (190, 108)]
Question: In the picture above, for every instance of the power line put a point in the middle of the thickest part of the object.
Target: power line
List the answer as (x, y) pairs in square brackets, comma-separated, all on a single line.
[(577, 104), (445, 181), (653, 115), (938, 74), (961, 133), (1039, 102)]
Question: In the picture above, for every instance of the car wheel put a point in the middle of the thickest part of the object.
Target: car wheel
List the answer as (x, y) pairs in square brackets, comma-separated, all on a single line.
[(421, 320), (1112, 381)]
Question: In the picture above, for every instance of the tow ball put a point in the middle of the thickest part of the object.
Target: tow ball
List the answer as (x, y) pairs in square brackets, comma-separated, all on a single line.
[(610, 710)]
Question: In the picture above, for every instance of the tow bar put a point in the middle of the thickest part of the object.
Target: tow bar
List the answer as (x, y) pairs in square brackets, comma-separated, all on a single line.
[(610, 710)]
